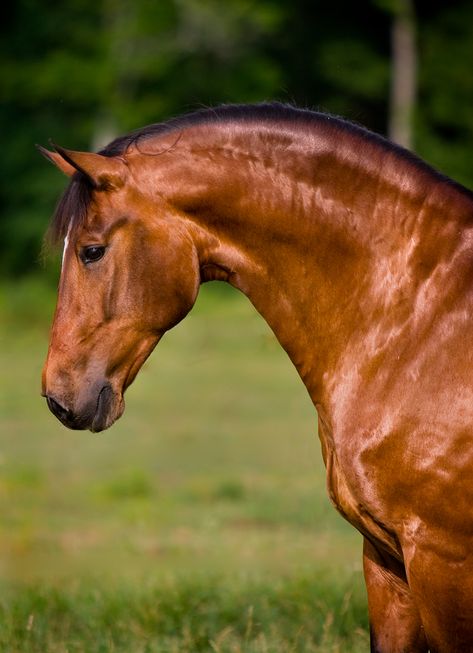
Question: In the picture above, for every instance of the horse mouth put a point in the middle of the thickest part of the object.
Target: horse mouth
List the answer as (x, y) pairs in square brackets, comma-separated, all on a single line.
[(105, 415)]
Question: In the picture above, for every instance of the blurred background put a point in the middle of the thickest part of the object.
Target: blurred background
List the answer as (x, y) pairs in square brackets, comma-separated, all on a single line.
[(208, 497), (84, 71)]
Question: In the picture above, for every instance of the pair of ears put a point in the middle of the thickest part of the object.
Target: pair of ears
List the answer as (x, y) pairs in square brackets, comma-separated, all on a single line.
[(103, 172)]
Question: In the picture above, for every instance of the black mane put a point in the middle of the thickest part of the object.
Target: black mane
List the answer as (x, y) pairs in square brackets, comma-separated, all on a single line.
[(72, 208)]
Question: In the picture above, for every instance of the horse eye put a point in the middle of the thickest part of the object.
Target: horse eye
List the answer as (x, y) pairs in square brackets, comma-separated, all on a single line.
[(92, 253)]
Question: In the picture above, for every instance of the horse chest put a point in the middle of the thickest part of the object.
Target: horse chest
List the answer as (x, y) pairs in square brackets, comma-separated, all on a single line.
[(353, 505)]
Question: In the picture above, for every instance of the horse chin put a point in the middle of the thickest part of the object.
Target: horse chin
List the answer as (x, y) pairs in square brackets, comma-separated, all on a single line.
[(110, 407)]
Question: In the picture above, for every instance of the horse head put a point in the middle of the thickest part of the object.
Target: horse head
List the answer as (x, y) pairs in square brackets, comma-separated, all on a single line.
[(128, 275)]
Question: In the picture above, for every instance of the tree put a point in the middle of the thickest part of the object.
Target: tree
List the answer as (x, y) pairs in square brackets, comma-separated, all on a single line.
[(83, 71), (403, 74)]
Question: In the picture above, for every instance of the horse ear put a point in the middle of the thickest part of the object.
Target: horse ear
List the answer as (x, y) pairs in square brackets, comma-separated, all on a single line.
[(58, 161), (104, 172)]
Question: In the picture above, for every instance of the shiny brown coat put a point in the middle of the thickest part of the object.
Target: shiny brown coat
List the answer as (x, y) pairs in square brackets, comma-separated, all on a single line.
[(360, 258)]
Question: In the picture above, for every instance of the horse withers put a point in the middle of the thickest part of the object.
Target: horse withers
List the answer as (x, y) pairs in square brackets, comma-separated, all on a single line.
[(360, 258)]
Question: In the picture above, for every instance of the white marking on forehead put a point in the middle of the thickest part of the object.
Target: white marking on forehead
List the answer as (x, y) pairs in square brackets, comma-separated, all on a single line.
[(66, 243)]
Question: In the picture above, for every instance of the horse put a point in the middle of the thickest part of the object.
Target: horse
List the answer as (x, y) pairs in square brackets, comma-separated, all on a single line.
[(359, 256)]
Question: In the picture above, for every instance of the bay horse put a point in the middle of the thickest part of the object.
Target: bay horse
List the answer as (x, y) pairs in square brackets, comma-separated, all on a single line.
[(360, 258)]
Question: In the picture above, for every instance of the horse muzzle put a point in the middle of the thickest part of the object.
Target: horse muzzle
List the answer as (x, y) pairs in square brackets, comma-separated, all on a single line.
[(98, 413)]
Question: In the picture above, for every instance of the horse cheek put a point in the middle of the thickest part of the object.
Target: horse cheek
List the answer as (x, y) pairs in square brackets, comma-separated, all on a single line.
[(176, 290)]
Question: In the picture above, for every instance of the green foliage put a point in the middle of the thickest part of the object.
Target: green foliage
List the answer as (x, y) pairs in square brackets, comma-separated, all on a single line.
[(444, 125), (82, 72)]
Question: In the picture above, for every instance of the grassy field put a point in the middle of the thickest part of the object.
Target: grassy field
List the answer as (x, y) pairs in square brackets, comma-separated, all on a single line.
[(198, 523)]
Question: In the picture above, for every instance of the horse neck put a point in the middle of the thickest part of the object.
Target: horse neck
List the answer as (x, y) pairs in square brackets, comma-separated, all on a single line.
[(322, 245)]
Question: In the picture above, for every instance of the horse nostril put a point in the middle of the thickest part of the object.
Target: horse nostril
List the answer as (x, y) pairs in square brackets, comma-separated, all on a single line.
[(58, 410)]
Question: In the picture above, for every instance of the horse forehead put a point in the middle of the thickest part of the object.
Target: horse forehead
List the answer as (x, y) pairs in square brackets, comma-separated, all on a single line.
[(103, 211), (109, 206)]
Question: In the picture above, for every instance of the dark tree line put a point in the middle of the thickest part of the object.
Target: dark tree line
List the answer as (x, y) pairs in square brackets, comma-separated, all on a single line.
[(84, 71)]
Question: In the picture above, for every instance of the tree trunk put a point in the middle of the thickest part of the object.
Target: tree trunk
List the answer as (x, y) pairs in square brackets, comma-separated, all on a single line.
[(403, 74)]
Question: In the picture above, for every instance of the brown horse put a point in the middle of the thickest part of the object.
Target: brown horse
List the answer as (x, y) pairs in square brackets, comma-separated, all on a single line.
[(360, 258)]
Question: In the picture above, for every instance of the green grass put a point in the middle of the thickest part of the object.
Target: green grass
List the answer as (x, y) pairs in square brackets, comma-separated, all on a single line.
[(200, 515), (310, 615)]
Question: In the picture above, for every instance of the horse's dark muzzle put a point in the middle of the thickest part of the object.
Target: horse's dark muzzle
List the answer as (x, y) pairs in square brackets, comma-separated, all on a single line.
[(95, 417)]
